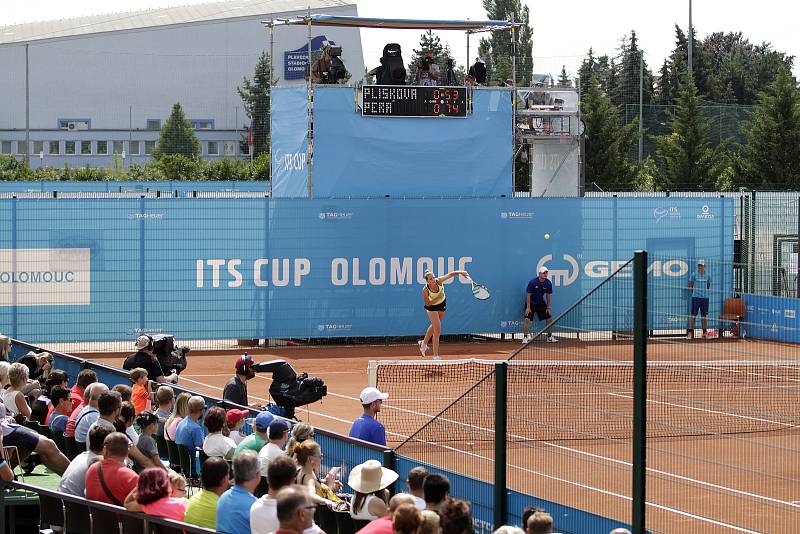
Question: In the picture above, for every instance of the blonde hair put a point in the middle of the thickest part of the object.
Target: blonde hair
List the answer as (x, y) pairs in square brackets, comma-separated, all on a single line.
[(300, 433), (430, 522), (5, 347), (18, 375), (176, 478), (407, 519), (306, 450), (4, 369), (181, 408)]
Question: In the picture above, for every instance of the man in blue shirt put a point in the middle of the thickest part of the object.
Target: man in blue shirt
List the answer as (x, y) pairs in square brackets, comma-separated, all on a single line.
[(233, 507), (189, 432), (699, 285), (537, 299), (366, 427)]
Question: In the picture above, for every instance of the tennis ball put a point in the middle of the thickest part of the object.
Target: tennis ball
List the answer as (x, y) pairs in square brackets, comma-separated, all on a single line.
[(547, 236)]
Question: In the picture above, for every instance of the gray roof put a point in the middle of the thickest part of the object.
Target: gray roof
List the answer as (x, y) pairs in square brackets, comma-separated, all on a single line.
[(152, 18)]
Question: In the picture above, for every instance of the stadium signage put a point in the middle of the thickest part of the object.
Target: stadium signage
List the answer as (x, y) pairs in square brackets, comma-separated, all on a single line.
[(282, 272), (603, 268), (45, 277)]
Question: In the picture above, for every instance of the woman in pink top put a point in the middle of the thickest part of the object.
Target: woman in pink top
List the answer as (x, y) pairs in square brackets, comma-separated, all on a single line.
[(181, 410), (153, 496)]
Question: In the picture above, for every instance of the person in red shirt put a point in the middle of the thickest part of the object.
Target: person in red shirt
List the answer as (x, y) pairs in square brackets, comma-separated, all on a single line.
[(384, 524), (109, 481), (85, 377)]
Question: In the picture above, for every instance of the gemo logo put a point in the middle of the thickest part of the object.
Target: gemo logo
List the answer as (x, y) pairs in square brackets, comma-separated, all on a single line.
[(671, 212), (295, 161), (604, 268)]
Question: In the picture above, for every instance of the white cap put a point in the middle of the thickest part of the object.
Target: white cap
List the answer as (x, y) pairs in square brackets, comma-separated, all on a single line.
[(542, 270), (370, 395), (701, 262), (142, 342), (478, 60)]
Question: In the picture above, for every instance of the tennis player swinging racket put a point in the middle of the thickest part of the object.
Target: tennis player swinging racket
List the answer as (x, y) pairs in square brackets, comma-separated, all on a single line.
[(435, 306)]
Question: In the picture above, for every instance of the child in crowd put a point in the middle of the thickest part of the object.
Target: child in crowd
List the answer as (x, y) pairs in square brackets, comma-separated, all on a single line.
[(124, 422), (141, 395), (235, 420), (164, 398), (62, 407), (125, 392), (148, 423), (178, 484)]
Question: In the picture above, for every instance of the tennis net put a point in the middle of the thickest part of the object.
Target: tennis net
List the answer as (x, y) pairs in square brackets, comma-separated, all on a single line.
[(586, 400)]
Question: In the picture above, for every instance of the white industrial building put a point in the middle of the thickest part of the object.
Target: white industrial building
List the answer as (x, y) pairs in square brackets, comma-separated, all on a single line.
[(103, 85)]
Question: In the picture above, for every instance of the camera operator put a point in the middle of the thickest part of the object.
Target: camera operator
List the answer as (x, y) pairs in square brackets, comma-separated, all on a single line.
[(478, 71), (329, 68), (145, 357), (236, 389), (427, 70)]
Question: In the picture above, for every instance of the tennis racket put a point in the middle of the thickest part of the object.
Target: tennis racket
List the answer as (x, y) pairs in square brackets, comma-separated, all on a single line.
[(479, 291)]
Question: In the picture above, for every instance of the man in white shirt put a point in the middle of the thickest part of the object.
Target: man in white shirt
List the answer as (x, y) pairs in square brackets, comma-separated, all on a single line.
[(278, 436), (73, 481)]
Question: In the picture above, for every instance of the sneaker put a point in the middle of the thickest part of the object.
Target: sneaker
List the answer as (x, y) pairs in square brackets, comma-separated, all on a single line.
[(526, 340), (437, 358), (552, 339), (423, 348)]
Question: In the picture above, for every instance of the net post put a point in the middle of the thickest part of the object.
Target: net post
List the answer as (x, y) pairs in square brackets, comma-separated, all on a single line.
[(639, 453), (372, 374), (500, 430)]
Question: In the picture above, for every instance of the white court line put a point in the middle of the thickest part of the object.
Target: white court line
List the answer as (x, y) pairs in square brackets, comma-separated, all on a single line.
[(789, 425)]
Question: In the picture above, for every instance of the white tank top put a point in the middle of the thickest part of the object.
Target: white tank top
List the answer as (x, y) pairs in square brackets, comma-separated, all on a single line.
[(363, 513), (10, 400)]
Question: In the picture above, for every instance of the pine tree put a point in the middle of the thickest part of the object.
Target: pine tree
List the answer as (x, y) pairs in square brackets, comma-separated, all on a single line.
[(177, 136), (563, 78), (609, 142), (686, 154), (627, 87), (770, 159), (498, 47), (441, 55), (255, 96)]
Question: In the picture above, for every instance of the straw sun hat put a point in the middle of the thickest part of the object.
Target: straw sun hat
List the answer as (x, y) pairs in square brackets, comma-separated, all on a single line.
[(370, 477)]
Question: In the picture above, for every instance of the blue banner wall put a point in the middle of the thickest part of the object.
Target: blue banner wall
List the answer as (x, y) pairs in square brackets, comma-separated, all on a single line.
[(772, 318), (289, 127), (451, 157), (82, 270)]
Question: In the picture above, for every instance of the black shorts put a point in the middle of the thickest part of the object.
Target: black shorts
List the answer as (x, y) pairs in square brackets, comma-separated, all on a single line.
[(540, 310), (442, 306), (21, 437)]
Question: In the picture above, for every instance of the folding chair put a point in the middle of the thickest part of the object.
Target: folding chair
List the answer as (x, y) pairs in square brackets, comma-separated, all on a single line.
[(51, 512), (163, 448), (174, 456), (104, 521), (189, 467), (76, 518)]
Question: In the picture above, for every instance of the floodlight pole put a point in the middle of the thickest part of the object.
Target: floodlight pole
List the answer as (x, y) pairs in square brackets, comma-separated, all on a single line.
[(309, 185), (691, 38), (250, 133), (467, 63), (513, 105)]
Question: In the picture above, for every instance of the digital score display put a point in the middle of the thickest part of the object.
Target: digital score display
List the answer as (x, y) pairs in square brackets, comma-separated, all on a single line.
[(413, 101)]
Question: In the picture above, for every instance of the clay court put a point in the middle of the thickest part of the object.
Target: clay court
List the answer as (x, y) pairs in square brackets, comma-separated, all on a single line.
[(739, 481)]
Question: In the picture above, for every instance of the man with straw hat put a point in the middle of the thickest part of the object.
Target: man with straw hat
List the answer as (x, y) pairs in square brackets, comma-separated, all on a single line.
[(369, 480)]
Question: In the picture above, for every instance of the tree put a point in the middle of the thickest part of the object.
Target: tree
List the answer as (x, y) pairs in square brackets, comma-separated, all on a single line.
[(626, 89), (687, 156), (563, 78), (770, 159), (497, 49), (177, 136), (609, 142), (255, 96)]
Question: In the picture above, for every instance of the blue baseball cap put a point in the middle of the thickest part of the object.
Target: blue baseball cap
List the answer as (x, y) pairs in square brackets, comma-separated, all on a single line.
[(263, 420)]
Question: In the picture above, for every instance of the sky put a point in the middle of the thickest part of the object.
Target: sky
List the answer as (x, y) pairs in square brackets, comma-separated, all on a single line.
[(562, 31)]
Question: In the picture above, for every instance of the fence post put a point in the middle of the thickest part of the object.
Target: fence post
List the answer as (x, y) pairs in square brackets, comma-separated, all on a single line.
[(500, 432), (797, 254), (14, 253), (639, 391), (141, 265)]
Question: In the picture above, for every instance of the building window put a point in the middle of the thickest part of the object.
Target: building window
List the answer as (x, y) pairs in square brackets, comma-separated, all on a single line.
[(229, 148), (22, 148), (213, 148), (74, 125), (149, 147), (69, 147), (55, 148), (202, 124), (38, 147), (133, 148), (153, 124), (102, 148), (117, 147), (86, 148)]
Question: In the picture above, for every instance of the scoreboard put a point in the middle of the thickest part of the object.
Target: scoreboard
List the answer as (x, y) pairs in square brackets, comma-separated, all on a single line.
[(413, 101)]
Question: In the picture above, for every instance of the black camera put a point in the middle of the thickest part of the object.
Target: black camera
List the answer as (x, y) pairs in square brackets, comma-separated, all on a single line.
[(425, 63), (171, 357)]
